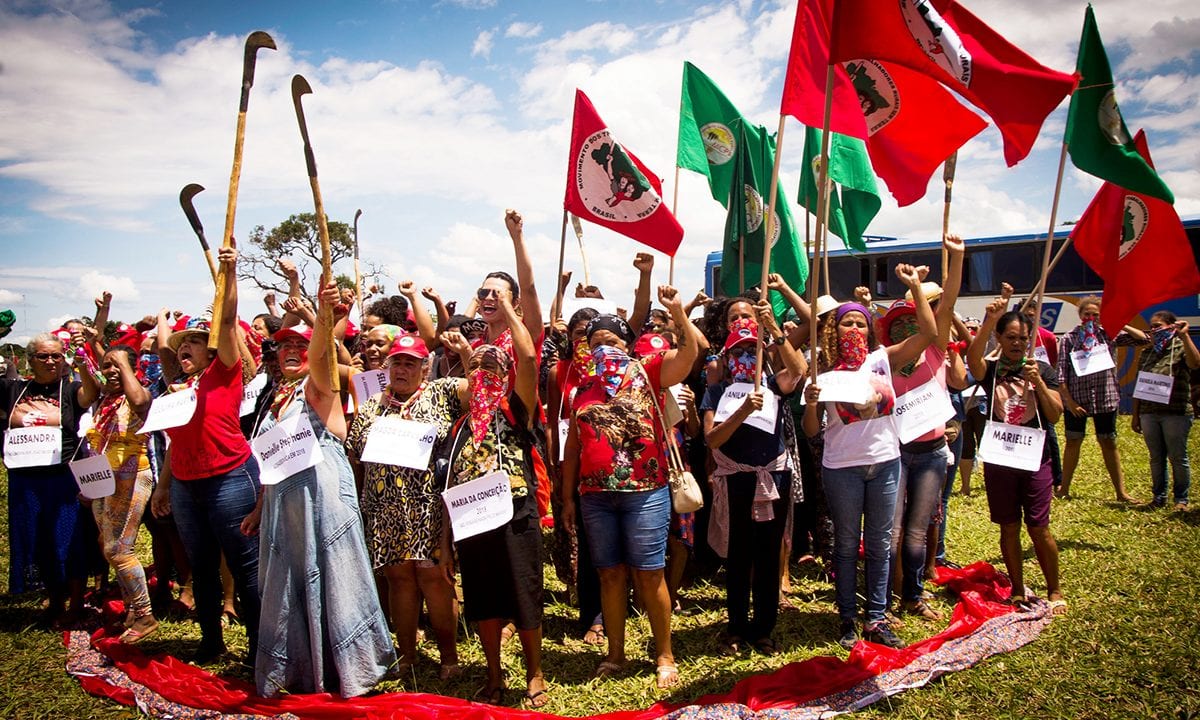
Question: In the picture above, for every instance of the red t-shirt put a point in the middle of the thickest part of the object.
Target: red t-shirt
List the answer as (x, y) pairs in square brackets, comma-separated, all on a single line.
[(211, 443), (1048, 340), (621, 438)]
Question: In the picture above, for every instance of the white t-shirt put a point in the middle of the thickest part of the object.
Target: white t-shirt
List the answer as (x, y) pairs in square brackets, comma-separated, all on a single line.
[(863, 434)]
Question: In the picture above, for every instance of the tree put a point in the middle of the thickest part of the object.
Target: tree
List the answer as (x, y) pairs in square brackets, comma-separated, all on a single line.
[(298, 240)]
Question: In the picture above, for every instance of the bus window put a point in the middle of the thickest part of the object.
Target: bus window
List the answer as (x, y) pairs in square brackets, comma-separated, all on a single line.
[(1018, 265), (881, 279), (1072, 274), (845, 274), (895, 288), (980, 276)]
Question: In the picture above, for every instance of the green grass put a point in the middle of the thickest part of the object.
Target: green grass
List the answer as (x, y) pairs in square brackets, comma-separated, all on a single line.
[(1129, 647)]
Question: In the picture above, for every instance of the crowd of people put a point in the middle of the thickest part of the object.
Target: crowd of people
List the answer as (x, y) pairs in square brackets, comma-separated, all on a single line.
[(296, 470)]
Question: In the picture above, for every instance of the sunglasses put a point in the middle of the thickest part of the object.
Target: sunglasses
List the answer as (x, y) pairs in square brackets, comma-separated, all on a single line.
[(485, 293), (45, 357)]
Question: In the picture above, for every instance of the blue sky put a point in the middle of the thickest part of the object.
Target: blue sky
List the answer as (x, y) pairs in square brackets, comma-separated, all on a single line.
[(435, 117)]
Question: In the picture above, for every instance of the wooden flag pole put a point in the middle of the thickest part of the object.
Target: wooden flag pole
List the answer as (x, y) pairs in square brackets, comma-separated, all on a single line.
[(675, 212), (947, 178), (768, 232), (822, 217), (357, 271), (256, 40), (562, 251), (1041, 286), (587, 277), (1062, 250), (825, 237)]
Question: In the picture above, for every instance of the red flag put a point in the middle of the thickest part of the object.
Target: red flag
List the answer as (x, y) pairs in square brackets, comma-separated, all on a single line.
[(910, 122), (941, 39), (1138, 245), (608, 185)]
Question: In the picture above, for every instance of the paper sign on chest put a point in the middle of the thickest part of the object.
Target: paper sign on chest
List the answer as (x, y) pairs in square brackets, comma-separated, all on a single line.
[(36, 446), (1153, 387), (170, 410), (849, 386), (479, 505), (396, 441), (1088, 362), (94, 476), (762, 419), (1014, 446), (368, 383), (286, 449), (921, 410), (251, 392)]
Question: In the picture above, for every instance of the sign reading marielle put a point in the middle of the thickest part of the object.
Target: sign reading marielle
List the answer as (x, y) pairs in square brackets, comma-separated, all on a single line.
[(1014, 446), (94, 476), (479, 505)]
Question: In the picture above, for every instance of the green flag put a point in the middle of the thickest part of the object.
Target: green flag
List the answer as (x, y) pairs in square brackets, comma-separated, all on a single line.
[(1097, 138), (745, 227), (854, 199), (707, 133)]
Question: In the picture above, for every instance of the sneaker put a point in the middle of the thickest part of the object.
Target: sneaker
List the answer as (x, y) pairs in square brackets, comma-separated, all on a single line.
[(849, 635), (881, 634)]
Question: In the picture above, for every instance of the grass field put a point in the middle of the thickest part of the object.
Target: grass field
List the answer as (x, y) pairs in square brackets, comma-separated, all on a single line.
[(1129, 647)]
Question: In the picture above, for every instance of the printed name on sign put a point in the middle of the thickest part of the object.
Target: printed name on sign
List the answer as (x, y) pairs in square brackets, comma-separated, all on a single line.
[(171, 410), (1039, 353), (479, 505), (251, 392), (733, 397), (368, 383), (94, 476), (1088, 362), (1014, 446), (396, 441), (32, 446), (1153, 387), (286, 449), (921, 410), (851, 386)]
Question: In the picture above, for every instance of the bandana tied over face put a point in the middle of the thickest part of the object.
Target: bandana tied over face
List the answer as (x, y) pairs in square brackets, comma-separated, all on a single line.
[(852, 349), (149, 369), (1087, 335), (741, 369), (581, 358), (488, 388), (1161, 338), (901, 329), (611, 364)]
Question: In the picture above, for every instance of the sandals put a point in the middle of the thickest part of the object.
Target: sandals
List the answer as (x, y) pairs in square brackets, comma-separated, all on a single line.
[(133, 636), (449, 671), (765, 646), (534, 700), (921, 609), (1058, 607), (666, 676), (595, 635), (495, 696), (1018, 602)]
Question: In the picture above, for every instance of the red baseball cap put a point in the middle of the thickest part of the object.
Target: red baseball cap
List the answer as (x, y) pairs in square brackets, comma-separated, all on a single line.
[(409, 345), (300, 331), (744, 330), (650, 344)]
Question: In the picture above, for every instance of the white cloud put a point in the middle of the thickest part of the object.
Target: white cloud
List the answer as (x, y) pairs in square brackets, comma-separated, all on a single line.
[(483, 44), (93, 283), (8, 297), (472, 4), (523, 30)]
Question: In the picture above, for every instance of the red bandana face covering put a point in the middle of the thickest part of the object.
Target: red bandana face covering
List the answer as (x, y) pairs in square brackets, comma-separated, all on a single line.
[(852, 349), (487, 390), (581, 358)]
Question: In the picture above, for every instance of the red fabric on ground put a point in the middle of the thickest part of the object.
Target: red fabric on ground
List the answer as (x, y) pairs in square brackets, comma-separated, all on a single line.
[(981, 588)]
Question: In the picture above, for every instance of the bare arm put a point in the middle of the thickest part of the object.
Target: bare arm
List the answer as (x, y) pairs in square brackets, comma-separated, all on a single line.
[(644, 264), (677, 364), (166, 356), (531, 309), (776, 282), (795, 367), (420, 314), (525, 355), (227, 338), (443, 314), (955, 249), (318, 393), (137, 396), (978, 346), (909, 349), (717, 434)]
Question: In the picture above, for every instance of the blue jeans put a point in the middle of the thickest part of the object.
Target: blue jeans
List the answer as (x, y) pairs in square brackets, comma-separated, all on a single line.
[(919, 491), (209, 514), (628, 528), (1166, 439), (862, 503)]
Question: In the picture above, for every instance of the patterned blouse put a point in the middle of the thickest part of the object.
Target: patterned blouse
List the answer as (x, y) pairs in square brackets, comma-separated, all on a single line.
[(402, 507), (115, 434)]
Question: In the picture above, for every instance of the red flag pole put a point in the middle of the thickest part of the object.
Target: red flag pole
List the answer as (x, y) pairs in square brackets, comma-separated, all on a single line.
[(1041, 286), (675, 212), (562, 251), (822, 221)]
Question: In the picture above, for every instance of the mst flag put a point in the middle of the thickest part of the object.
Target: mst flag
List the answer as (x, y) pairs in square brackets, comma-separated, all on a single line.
[(708, 131), (855, 203), (608, 185), (745, 228), (910, 122), (941, 39), (1138, 245), (1097, 139)]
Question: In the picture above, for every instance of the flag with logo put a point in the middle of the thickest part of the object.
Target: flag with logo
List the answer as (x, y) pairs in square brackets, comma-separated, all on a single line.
[(1097, 138), (1137, 243), (910, 123), (853, 199), (943, 40), (707, 131), (745, 226), (608, 185)]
